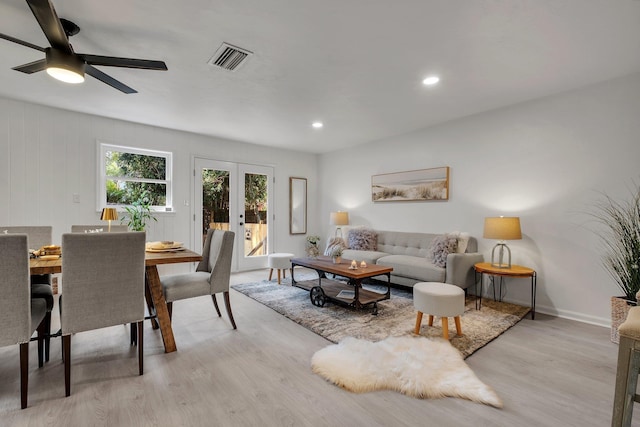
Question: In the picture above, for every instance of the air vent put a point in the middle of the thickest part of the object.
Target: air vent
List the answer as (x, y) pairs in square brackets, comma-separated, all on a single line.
[(229, 57)]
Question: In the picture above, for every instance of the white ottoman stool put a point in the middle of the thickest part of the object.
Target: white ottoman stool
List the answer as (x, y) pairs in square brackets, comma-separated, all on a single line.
[(281, 262), (438, 299)]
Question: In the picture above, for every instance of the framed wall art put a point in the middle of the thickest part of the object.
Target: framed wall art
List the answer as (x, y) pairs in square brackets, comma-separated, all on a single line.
[(417, 185)]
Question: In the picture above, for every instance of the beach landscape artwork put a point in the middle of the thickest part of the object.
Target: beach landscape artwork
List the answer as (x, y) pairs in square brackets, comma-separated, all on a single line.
[(421, 185)]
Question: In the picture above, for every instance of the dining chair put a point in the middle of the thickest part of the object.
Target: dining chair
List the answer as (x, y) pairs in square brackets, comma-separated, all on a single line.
[(115, 228), (211, 276), (103, 286), (37, 237), (18, 311)]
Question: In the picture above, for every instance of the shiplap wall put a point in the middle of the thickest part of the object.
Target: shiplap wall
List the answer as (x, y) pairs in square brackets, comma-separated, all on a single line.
[(48, 154), (545, 161)]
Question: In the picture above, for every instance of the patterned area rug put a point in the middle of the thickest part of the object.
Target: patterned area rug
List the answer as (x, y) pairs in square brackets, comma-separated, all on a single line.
[(396, 316)]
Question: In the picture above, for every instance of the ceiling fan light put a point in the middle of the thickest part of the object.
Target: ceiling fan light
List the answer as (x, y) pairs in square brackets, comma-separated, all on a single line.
[(64, 75), (64, 67)]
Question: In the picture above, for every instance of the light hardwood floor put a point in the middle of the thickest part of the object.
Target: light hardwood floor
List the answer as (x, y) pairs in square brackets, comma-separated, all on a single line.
[(549, 372)]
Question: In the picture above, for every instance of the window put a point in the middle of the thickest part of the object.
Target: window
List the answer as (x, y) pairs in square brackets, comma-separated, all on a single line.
[(128, 174)]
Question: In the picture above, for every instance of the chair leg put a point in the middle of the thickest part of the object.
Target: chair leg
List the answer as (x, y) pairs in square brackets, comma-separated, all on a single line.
[(47, 337), (66, 351), (140, 347), (445, 327), (227, 303), (279, 270), (24, 374), (284, 273), (215, 304), (134, 333), (431, 320), (41, 333), (418, 322), (270, 273), (170, 310), (458, 325)]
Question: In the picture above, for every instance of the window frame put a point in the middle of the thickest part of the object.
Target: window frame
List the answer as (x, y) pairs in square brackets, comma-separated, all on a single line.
[(103, 147)]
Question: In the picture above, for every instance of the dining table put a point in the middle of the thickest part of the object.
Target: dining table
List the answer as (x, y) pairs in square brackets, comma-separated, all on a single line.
[(157, 306)]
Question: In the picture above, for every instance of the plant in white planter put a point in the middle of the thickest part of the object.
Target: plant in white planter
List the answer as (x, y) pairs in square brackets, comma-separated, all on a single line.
[(312, 246), (621, 241), (336, 254)]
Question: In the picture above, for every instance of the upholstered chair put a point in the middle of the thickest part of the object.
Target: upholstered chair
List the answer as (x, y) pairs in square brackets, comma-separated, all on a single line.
[(115, 228), (37, 237), (103, 286), (19, 313), (211, 276)]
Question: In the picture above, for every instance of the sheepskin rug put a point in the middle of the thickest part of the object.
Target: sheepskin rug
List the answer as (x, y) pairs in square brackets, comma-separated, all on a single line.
[(416, 366)]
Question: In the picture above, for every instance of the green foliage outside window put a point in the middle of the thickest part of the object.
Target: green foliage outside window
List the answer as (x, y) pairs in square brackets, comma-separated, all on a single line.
[(121, 167)]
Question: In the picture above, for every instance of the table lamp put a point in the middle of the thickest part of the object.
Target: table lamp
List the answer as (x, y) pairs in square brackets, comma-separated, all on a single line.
[(339, 218), (502, 228), (109, 214)]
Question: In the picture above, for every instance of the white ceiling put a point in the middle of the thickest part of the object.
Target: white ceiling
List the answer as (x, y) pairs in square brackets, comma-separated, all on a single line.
[(356, 65)]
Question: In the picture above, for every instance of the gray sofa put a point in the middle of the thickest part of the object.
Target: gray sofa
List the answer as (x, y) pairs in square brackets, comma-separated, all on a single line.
[(407, 252)]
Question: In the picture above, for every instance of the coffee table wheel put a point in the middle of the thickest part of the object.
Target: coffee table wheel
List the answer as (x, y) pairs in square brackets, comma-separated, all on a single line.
[(317, 296), (375, 309)]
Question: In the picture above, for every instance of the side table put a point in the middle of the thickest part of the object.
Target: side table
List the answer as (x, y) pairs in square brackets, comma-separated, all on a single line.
[(483, 268)]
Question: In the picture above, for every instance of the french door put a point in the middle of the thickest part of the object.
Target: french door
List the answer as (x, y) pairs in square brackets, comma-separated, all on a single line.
[(235, 197)]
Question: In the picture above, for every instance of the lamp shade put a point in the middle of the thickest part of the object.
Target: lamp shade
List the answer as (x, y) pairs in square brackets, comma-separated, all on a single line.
[(339, 218), (502, 228), (109, 214)]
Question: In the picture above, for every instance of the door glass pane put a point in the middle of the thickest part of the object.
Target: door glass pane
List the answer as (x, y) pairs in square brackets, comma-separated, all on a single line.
[(215, 200), (256, 214)]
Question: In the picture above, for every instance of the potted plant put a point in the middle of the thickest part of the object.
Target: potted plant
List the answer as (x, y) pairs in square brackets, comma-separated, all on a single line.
[(620, 237), (139, 213), (312, 246), (336, 254)]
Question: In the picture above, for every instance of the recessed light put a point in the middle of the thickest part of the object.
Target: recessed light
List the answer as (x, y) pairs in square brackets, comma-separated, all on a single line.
[(430, 81), (317, 125)]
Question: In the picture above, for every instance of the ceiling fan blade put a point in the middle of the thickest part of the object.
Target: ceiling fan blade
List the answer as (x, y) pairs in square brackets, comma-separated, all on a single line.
[(105, 78), (32, 67), (22, 42), (50, 23), (112, 61)]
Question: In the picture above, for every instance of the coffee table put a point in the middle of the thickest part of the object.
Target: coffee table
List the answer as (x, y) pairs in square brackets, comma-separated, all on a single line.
[(324, 289)]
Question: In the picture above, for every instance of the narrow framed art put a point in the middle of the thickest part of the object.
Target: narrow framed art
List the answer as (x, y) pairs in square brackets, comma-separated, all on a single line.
[(416, 185)]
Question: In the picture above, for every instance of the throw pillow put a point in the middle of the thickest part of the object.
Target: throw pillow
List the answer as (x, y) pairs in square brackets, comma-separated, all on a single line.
[(333, 243), (463, 240), (440, 247), (363, 239)]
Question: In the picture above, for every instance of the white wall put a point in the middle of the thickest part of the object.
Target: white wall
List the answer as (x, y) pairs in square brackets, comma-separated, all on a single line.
[(48, 154), (544, 161)]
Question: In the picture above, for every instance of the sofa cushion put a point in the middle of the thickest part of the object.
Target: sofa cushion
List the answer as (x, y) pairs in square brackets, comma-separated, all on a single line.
[(363, 239), (370, 257), (414, 267), (441, 246), (404, 243)]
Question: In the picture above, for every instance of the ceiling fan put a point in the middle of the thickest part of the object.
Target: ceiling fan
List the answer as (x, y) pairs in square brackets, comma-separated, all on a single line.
[(62, 62)]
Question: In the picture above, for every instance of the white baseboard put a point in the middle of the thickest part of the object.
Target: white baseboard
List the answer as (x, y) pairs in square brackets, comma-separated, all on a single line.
[(605, 322)]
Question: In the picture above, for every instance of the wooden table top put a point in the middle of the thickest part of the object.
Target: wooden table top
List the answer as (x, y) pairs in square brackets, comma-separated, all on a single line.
[(39, 266), (514, 271), (326, 264)]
